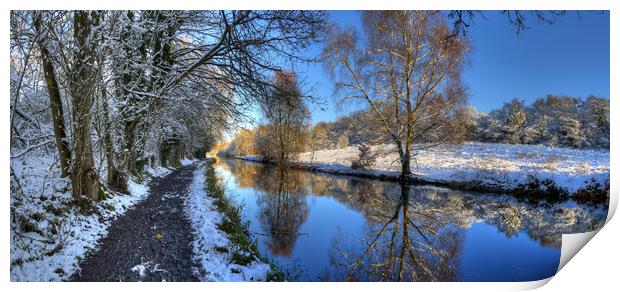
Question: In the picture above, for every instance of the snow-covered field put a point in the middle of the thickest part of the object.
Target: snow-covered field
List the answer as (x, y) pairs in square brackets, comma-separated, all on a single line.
[(505, 166), (205, 218), (48, 235)]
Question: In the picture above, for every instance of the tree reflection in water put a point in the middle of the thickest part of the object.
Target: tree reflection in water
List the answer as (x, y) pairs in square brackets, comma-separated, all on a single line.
[(282, 207), (408, 233), (402, 243)]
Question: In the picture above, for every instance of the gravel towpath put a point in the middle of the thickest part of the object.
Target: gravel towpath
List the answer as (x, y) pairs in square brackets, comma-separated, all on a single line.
[(150, 242)]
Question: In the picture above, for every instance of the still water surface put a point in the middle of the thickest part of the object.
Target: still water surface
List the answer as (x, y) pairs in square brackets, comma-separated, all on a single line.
[(320, 227)]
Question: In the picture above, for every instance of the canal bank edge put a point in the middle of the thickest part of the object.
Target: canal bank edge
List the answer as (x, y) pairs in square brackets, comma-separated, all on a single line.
[(236, 229), (534, 189)]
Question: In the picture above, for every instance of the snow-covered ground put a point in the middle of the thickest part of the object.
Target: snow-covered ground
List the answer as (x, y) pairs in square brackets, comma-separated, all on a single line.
[(186, 161), (495, 165), (158, 171), (205, 218), (48, 235)]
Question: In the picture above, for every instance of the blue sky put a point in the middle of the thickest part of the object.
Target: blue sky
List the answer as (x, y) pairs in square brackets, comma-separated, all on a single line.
[(569, 57)]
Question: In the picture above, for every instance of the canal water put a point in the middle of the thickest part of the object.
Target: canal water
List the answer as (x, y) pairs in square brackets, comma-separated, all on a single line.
[(320, 227)]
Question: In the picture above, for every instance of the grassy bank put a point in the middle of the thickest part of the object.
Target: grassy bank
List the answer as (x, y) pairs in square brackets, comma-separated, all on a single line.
[(242, 245)]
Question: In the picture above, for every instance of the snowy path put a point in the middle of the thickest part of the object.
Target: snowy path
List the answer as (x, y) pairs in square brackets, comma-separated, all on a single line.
[(151, 242)]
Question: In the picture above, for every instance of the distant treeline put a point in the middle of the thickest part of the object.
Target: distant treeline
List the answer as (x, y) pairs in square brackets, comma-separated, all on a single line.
[(553, 120)]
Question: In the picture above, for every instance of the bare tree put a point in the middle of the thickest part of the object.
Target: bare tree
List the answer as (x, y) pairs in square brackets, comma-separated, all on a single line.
[(408, 74), (462, 20), (287, 117), (318, 138), (53, 90)]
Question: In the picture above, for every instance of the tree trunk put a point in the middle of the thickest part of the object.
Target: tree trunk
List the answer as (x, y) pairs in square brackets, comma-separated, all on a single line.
[(84, 177), (129, 147), (405, 158), (188, 149), (133, 161), (58, 119), (116, 180), (406, 165)]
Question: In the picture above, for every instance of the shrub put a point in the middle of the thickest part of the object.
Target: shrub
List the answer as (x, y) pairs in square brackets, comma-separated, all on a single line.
[(593, 193), (541, 189), (365, 159)]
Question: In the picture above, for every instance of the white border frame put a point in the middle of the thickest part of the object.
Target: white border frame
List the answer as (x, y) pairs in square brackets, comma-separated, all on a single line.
[(594, 268)]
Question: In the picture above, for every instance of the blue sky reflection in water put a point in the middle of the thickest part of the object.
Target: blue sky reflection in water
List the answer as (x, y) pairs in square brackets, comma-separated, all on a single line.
[(323, 227), (489, 254)]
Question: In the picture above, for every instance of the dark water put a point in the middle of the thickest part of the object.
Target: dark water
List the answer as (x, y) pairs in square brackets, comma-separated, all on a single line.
[(320, 227)]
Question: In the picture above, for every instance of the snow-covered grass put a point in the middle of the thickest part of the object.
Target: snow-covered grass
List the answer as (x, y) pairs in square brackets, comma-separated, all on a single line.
[(212, 246), (49, 234), (504, 166)]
